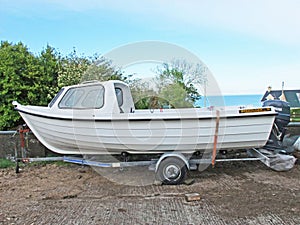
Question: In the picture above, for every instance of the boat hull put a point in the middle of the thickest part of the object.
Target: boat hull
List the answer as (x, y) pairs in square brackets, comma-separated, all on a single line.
[(140, 135)]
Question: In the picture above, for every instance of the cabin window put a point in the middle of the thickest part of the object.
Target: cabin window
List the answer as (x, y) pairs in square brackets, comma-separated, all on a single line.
[(87, 97), (119, 94)]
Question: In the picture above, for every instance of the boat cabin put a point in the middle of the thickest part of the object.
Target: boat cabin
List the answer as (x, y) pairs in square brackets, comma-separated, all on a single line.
[(107, 97)]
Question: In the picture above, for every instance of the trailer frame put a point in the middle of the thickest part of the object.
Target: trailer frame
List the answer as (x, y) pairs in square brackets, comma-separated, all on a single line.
[(170, 168)]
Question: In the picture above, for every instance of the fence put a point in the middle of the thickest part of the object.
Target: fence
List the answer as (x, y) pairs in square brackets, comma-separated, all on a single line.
[(10, 145)]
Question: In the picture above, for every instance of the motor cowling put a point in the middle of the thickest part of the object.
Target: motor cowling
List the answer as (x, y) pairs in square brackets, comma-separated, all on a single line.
[(283, 110)]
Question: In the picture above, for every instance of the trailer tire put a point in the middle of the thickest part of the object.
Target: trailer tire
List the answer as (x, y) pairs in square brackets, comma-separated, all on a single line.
[(171, 170)]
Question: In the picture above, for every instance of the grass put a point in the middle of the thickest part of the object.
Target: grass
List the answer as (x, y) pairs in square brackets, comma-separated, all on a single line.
[(6, 163)]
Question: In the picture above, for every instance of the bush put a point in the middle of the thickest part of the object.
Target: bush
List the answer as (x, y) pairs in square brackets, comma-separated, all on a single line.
[(24, 77), (5, 163)]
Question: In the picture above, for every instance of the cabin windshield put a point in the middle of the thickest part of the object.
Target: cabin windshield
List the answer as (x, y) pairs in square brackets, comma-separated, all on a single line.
[(86, 97), (56, 97)]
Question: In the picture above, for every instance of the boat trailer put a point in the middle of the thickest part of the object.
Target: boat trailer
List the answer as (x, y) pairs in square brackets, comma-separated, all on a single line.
[(172, 168)]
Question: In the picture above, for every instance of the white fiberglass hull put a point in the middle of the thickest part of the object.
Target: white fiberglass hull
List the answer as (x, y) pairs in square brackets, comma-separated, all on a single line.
[(145, 132)]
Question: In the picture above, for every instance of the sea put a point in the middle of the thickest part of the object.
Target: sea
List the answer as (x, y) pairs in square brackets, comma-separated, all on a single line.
[(253, 100)]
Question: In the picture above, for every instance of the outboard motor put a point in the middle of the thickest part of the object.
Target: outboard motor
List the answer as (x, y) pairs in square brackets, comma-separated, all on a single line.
[(279, 127), (283, 110)]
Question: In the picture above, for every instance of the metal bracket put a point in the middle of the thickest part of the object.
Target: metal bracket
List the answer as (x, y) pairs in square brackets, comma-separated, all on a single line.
[(260, 156)]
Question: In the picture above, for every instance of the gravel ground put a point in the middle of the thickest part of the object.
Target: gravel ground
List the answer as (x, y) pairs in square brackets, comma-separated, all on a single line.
[(231, 193)]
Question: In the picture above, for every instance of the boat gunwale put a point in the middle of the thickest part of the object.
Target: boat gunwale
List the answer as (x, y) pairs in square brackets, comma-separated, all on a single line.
[(244, 115)]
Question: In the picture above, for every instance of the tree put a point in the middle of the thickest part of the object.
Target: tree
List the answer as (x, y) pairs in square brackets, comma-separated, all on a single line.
[(175, 96), (26, 78), (49, 62), (19, 80), (71, 69), (75, 69), (142, 94), (183, 77), (102, 69)]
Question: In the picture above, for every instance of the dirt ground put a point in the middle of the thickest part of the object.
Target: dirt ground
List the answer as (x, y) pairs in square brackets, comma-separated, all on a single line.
[(231, 193)]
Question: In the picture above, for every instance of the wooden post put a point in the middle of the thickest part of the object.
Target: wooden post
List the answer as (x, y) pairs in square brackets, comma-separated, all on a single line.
[(214, 153)]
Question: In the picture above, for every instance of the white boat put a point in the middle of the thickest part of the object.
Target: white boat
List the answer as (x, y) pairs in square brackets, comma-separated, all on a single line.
[(100, 118)]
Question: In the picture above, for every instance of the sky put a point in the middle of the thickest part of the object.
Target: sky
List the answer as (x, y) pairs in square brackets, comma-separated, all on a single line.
[(247, 45)]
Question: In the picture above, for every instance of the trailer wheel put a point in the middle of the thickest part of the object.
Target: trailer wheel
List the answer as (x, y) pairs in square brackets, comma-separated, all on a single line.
[(171, 170)]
